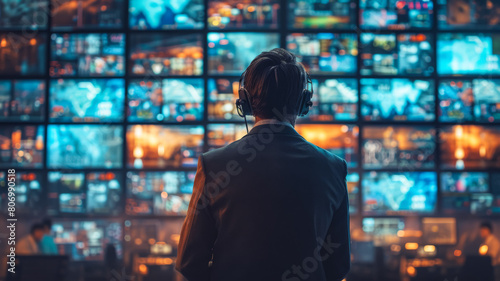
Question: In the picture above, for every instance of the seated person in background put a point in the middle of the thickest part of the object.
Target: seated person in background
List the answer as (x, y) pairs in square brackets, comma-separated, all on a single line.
[(29, 245), (490, 246), (47, 245)]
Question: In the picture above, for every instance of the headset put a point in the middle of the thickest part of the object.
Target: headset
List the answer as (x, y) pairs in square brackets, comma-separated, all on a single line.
[(244, 106)]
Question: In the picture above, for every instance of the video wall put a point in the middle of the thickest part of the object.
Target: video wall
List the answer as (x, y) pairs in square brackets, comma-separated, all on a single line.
[(106, 105)]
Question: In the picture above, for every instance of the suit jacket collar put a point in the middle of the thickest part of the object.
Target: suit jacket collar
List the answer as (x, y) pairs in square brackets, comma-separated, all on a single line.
[(282, 129)]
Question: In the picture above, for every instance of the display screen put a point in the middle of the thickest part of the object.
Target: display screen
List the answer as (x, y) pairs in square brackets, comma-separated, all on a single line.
[(153, 237), (170, 100), (24, 15), (464, 54), (397, 99), (325, 53), (226, 14), (156, 54), (405, 148), (222, 96), (166, 14), (28, 193), (220, 135), (464, 182), (333, 100), (402, 54), (231, 53), (84, 146), (21, 54), (396, 14), (325, 14), (159, 193), (383, 231), (469, 146), (22, 100), (80, 14), (157, 146), (468, 14), (93, 193), (89, 100), (439, 231), (88, 240), (352, 180), (341, 140), (465, 192), (87, 54), (396, 192), (21, 146)]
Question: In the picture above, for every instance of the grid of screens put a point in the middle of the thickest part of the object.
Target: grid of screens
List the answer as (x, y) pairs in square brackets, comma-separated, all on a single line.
[(104, 114)]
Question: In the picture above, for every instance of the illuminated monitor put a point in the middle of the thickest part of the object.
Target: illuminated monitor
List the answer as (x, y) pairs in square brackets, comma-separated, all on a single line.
[(87, 100), (397, 99), (21, 146), (322, 14), (22, 100), (153, 237), (341, 140), (468, 54), (66, 193), (396, 15), (220, 135), (405, 148), (159, 146), (28, 193), (87, 54), (169, 100), (352, 180), (325, 53), (159, 193), (20, 55), (154, 54), (456, 100), (399, 192), (70, 15), (470, 146), (468, 14), (231, 53), (462, 191), (402, 54), (439, 231), (383, 231), (166, 14), (84, 146), (87, 240), (222, 96), (25, 15), (333, 100), (228, 14)]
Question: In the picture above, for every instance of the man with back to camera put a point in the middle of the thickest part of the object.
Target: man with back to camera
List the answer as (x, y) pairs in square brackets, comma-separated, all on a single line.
[(270, 206)]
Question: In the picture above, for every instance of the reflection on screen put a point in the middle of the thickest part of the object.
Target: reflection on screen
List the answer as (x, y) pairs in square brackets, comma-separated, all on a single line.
[(460, 53), (21, 146), (325, 14), (468, 14), (341, 140), (405, 148), (397, 99), (243, 14), (171, 100), (159, 193), (325, 53), (333, 100), (166, 14), (396, 192), (24, 15), (21, 54), (231, 53), (220, 135), (89, 100), (87, 240), (157, 54), (469, 146), (28, 189), (395, 14), (84, 146), (404, 54), (22, 100), (80, 14), (87, 54), (157, 146)]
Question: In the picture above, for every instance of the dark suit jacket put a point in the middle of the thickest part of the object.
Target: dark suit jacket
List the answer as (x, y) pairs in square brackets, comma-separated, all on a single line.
[(270, 206)]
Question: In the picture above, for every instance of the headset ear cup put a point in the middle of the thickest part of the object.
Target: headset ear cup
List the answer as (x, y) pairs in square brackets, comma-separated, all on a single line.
[(243, 102), (305, 103)]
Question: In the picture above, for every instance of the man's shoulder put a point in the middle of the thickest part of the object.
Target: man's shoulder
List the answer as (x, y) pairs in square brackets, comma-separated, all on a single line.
[(329, 156), (232, 150)]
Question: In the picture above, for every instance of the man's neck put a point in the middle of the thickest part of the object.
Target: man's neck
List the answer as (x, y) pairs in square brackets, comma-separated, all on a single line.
[(275, 121)]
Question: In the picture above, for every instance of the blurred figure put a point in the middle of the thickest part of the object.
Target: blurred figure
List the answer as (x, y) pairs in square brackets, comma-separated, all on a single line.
[(30, 245), (490, 246), (47, 245)]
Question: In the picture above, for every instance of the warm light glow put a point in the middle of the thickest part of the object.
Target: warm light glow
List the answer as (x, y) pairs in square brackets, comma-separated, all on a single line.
[(411, 246), (164, 195), (143, 269), (138, 241), (411, 271), (151, 241), (483, 250), (395, 248), (138, 152), (33, 42), (3, 43), (482, 151), (457, 253), (459, 132), (459, 153), (429, 248)]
